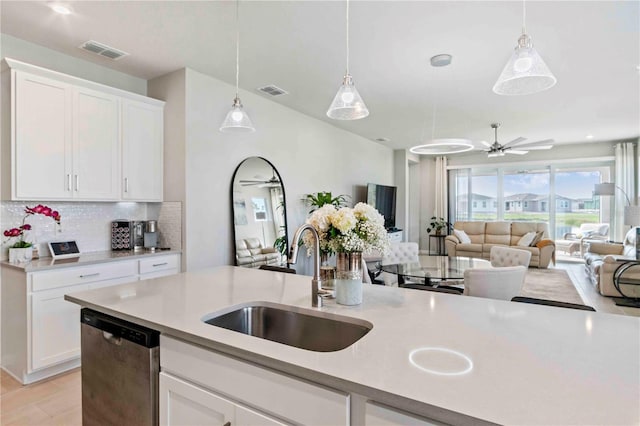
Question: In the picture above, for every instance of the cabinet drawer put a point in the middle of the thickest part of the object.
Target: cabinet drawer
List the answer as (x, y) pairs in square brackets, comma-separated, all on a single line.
[(278, 394), (379, 415), (158, 263), (82, 275)]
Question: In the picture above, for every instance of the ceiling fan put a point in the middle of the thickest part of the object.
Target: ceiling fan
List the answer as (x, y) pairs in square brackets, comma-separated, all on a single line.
[(497, 149), (262, 183)]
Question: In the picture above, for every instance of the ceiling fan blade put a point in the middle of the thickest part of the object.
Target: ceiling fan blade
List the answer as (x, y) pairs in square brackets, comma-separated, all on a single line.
[(515, 142), (546, 141), (539, 147), (485, 143), (515, 151)]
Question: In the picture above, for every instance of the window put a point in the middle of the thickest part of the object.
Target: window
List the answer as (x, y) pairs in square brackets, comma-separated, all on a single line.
[(259, 209), (558, 195)]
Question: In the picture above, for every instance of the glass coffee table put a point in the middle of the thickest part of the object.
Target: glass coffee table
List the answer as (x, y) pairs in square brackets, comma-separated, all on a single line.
[(434, 270)]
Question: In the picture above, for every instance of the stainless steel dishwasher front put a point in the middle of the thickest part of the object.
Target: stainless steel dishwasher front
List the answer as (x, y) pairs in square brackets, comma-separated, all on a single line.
[(120, 367)]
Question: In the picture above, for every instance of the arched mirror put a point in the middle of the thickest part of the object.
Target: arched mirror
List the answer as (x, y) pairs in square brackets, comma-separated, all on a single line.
[(259, 214)]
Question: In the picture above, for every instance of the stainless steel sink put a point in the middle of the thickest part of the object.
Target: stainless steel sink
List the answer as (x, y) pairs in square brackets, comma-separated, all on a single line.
[(301, 328)]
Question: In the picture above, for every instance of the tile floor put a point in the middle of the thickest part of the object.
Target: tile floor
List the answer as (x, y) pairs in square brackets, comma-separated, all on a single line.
[(57, 401)]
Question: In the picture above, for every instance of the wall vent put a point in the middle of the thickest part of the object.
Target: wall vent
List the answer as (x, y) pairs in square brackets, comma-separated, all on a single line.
[(102, 50), (273, 90)]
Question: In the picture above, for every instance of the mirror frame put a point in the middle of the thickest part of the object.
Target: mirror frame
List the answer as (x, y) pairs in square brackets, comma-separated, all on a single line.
[(284, 200)]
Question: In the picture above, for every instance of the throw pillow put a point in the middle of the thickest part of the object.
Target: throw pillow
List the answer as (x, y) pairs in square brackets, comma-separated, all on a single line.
[(526, 239), (462, 236), (536, 239)]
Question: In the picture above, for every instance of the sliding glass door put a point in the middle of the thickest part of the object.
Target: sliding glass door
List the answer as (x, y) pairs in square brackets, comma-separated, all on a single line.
[(561, 196)]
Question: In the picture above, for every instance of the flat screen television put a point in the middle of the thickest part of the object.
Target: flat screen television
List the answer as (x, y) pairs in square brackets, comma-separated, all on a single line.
[(383, 198)]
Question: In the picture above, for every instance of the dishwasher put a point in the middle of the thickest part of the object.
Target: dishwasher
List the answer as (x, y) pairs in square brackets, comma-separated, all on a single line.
[(120, 367)]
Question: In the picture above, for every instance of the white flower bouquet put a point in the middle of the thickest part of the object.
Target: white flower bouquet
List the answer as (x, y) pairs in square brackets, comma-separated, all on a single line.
[(347, 230)]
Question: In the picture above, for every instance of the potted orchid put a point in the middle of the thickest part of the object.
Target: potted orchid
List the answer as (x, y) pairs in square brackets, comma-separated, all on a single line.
[(21, 250)]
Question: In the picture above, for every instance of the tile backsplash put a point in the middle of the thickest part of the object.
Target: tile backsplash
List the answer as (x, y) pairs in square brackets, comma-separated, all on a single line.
[(88, 223)]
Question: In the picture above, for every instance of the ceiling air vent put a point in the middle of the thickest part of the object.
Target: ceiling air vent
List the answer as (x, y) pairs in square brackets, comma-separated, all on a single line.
[(102, 50), (273, 90)]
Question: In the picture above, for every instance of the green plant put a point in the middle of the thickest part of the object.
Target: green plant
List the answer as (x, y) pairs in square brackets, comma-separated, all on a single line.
[(320, 199), (438, 224)]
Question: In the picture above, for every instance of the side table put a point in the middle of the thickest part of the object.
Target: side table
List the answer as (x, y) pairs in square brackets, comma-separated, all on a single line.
[(439, 245), (619, 280)]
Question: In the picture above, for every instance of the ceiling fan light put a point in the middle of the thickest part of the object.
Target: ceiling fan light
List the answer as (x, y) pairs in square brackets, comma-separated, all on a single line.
[(347, 104), (237, 120), (525, 73)]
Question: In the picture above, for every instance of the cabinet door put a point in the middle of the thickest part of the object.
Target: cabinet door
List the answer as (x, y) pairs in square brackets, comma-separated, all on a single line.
[(142, 151), (55, 327), (182, 403), (247, 417), (42, 139), (96, 148)]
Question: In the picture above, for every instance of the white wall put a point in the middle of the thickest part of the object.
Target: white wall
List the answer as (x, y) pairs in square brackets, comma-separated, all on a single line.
[(15, 48), (309, 154)]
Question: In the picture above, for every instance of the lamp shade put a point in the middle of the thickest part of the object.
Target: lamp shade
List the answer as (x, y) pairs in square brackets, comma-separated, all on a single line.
[(347, 104), (604, 189), (632, 215), (525, 73), (237, 120)]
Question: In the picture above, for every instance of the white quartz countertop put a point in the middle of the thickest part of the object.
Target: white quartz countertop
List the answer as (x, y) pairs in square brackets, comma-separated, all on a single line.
[(529, 364), (44, 263)]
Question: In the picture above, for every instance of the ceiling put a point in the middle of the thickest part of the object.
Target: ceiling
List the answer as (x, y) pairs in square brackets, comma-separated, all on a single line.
[(593, 48)]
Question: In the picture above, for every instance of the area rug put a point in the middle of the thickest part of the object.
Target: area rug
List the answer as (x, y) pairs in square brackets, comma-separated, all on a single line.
[(550, 284)]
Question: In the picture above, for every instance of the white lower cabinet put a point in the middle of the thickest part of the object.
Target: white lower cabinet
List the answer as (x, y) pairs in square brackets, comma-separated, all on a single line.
[(41, 330), (183, 403), (379, 415), (55, 327), (274, 398)]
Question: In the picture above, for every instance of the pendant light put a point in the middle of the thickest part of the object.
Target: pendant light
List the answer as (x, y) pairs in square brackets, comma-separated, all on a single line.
[(237, 120), (526, 72), (440, 146), (347, 104)]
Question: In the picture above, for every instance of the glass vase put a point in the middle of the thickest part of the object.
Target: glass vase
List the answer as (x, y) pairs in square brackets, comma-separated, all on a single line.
[(349, 278), (327, 274)]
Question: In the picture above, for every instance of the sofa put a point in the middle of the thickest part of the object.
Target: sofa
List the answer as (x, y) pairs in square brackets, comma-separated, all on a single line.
[(484, 235), (251, 254), (602, 259)]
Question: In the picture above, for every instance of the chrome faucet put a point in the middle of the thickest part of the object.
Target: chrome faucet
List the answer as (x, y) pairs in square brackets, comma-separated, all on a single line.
[(316, 282)]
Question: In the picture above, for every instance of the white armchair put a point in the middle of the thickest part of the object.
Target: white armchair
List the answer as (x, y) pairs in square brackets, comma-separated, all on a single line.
[(504, 256), (494, 283)]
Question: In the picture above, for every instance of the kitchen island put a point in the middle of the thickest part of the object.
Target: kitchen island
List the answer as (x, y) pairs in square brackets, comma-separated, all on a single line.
[(430, 358)]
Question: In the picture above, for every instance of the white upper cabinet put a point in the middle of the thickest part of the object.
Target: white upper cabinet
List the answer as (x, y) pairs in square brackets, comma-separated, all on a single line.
[(42, 150), (76, 140), (96, 146), (142, 149)]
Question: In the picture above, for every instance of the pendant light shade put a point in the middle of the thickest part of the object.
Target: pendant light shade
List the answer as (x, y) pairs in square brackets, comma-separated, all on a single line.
[(237, 120), (347, 104), (525, 73)]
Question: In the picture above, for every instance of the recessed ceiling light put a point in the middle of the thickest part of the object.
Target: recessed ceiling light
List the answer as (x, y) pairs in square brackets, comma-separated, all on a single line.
[(382, 140), (441, 60), (589, 136), (61, 8)]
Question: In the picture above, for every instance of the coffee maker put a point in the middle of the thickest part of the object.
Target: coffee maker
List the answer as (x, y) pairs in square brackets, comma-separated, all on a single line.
[(151, 235)]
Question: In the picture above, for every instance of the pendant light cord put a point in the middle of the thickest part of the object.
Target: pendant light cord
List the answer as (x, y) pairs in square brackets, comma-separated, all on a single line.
[(347, 37), (237, 46), (524, 17)]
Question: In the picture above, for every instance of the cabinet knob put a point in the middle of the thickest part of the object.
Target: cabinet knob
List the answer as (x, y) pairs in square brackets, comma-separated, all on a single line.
[(68, 181), (77, 183), (126, 184)]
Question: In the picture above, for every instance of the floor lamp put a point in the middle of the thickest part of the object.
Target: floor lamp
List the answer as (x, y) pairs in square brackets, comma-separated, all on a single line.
[(631, 213)]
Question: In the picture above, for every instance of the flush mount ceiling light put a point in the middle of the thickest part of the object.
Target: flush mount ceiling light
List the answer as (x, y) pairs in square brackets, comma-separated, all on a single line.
[(526, 72), (237, 120), (61, 8), (441, 146), (347, 104)]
